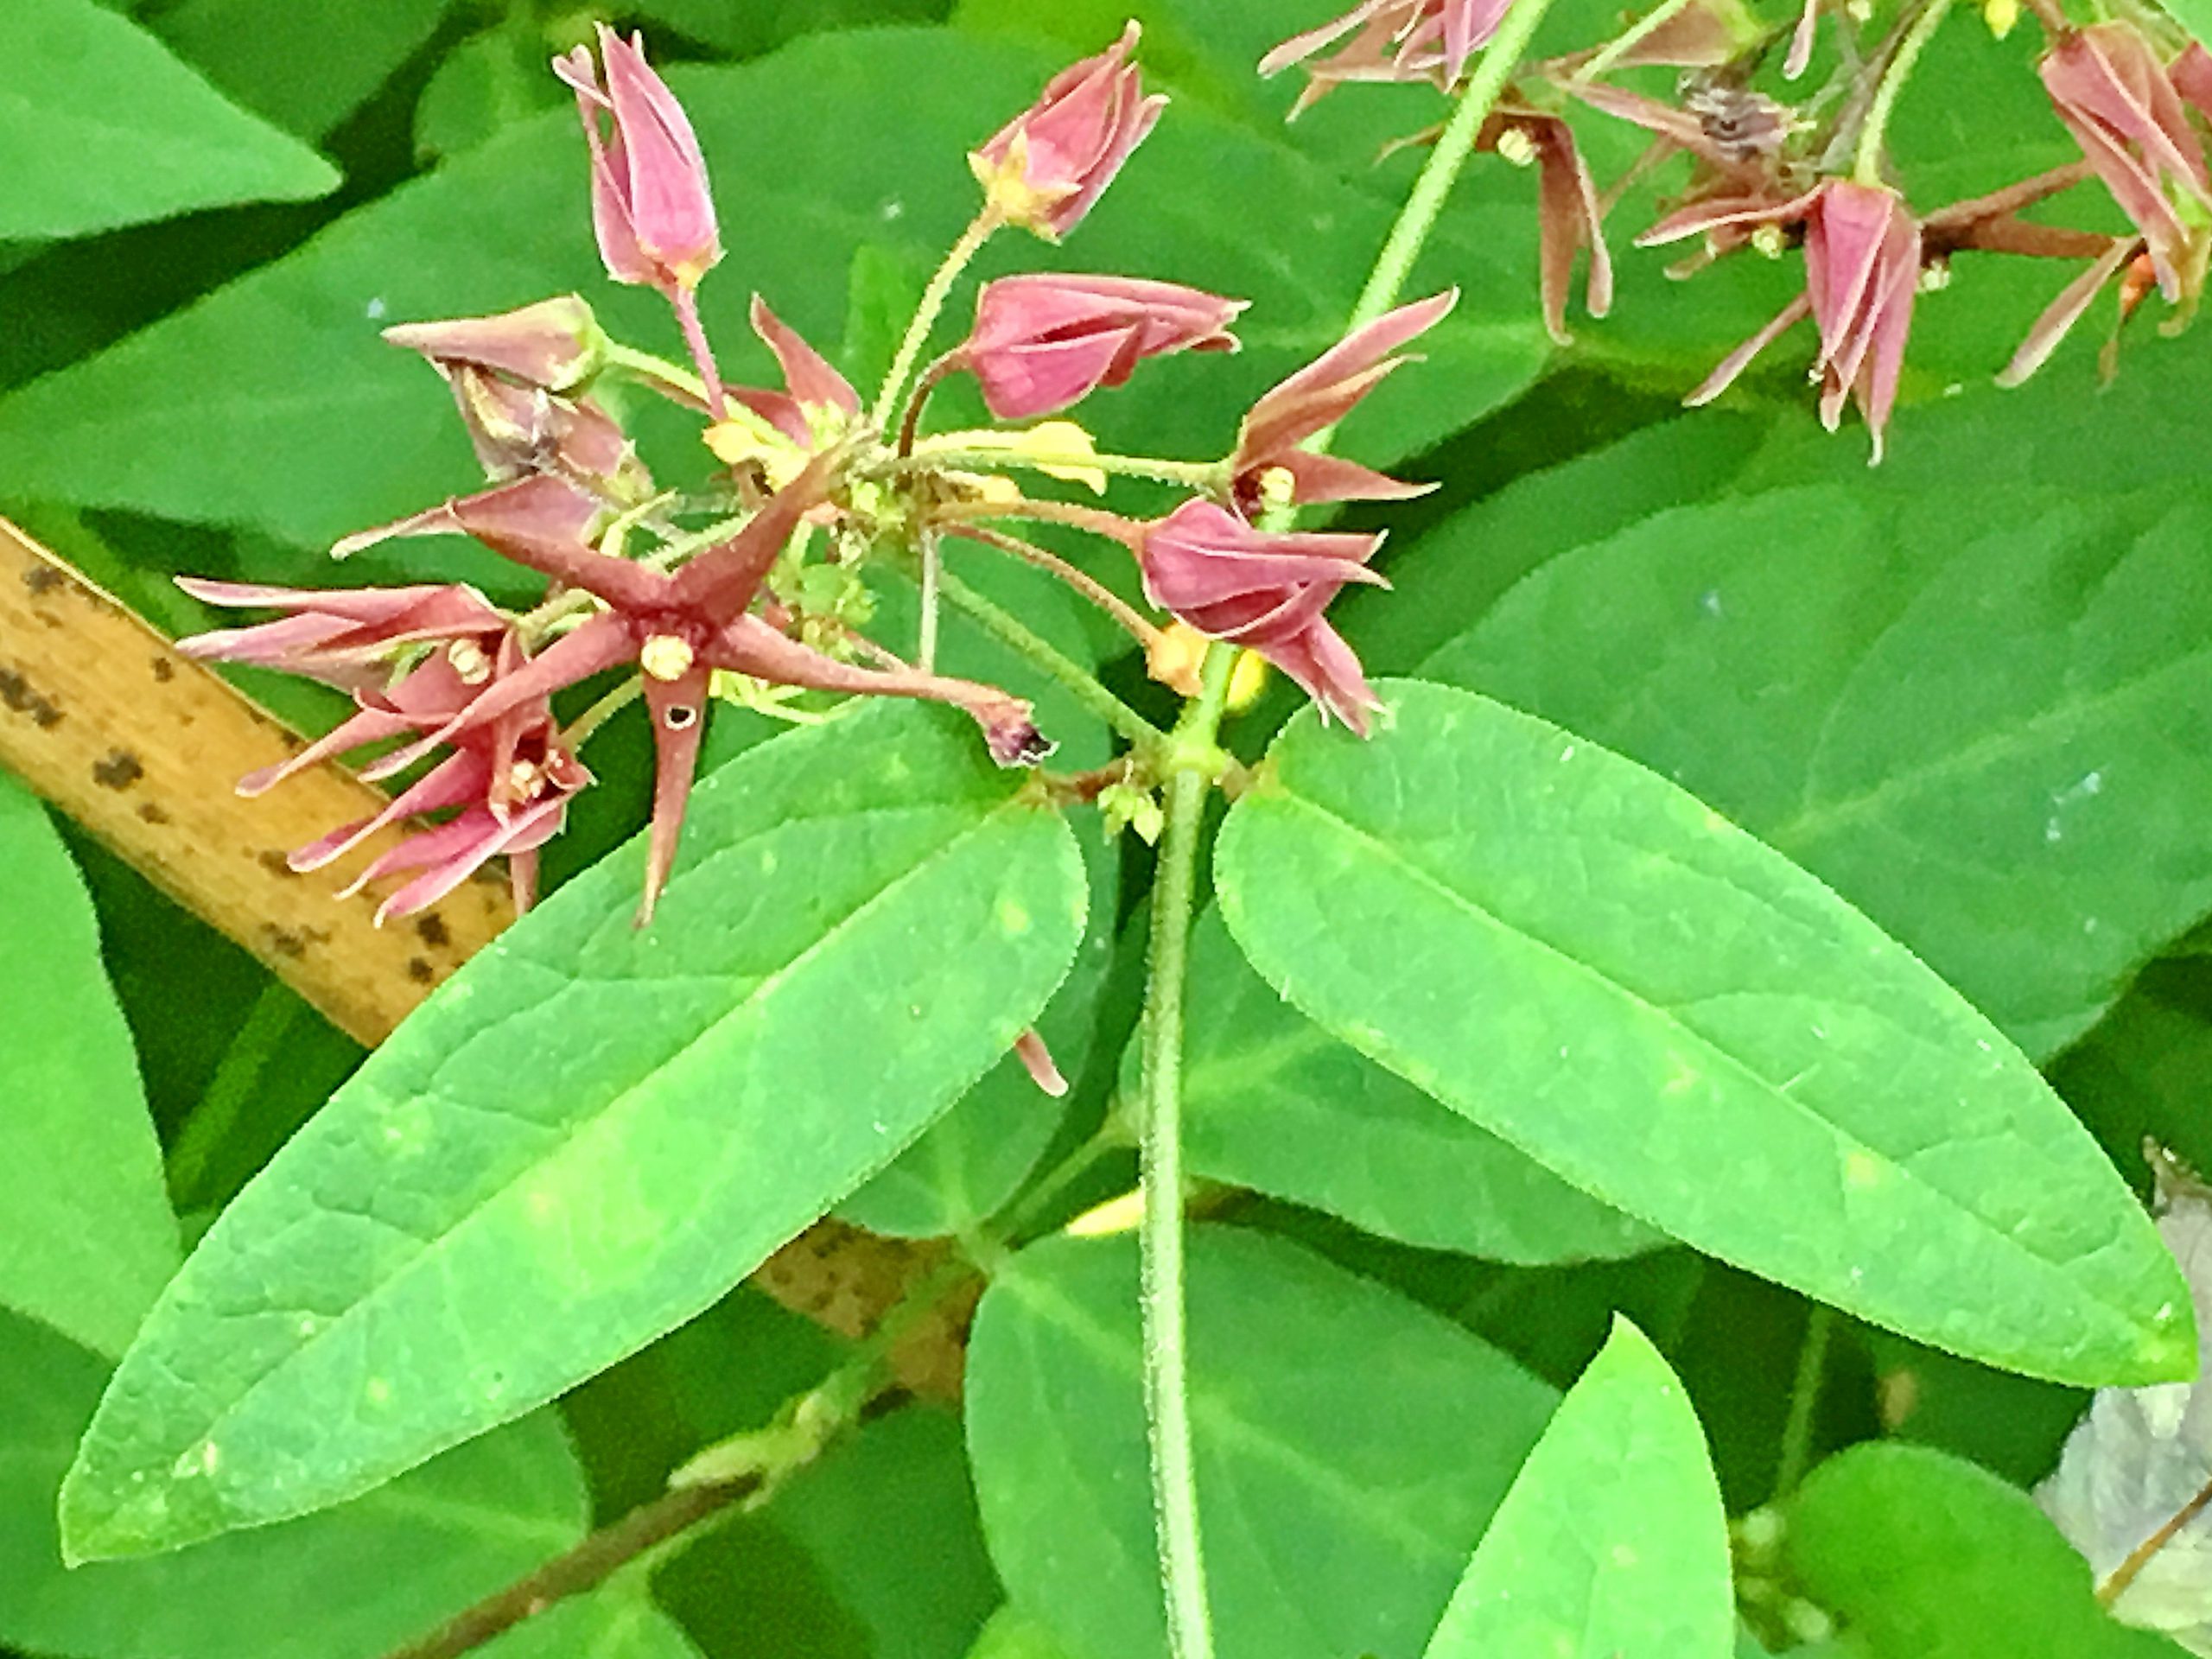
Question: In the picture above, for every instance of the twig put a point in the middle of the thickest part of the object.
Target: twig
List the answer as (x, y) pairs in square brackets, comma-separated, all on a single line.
[(2139, 1558), (1138, 628)]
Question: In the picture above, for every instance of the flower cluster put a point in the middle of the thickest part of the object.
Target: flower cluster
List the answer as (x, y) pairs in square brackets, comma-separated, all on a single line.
[(753, 590), (1769, 179)]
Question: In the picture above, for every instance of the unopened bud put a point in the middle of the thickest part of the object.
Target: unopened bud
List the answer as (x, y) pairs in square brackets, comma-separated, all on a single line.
[(1935, 277), (1770, 241), (665, 656)]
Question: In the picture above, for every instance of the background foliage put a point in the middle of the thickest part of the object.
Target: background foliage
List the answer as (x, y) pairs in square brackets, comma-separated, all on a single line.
[(1967, 692)]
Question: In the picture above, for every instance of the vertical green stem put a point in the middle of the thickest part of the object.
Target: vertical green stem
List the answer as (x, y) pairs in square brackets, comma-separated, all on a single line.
[(1189, 760), (1867, 169), (1804, 1400), (1396, 263), (925, 314)]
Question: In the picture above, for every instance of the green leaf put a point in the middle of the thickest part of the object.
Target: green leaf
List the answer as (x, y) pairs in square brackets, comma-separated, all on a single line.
[(305, 65), (1276, 1104), (487, 83), (1336, 1512), (1013, 1635), (1924, 1557), (975, 1157), (87, 1239), (346, 1584), (1593, 965), (2195, 16), (286, 364), (592, 1132), (100, 127), (1612, 1543), (1970, 736)]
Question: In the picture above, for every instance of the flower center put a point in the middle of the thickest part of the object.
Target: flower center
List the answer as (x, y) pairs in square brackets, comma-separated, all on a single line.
[(665, 656)]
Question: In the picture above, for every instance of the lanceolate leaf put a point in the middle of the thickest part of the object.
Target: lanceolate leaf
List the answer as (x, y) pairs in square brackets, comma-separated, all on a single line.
[(1612, 1543), (101, 127), (87, 1239), (1277, 1104), (592, 1132), (1591, 964), (1350, 1444)]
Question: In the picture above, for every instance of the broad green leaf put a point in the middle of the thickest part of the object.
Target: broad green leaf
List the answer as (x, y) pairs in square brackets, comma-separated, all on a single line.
[(1604, 971), (1971, 736), (1612, 1543), (1924, 1557), (349, 1584), (814, 153), (1350, 1447), (305, 65), (488, 82), (87, 1239), (592, 1131), (100, 126), (1276, 1104), (972, 1160)]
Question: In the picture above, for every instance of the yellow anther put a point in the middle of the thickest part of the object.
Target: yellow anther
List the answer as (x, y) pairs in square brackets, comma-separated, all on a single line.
[(665, 656)]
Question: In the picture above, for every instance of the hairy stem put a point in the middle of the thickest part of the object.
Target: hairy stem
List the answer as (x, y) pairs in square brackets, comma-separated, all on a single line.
[(1189, 761), (1010, 630), (669, 379), (1097, 520), (1418, 217), (925, 314), (1867, 169), (1635, 35)]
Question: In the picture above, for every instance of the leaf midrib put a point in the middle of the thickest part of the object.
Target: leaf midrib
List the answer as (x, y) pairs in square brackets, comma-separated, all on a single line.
[(1845, 1141), (432, 1249)]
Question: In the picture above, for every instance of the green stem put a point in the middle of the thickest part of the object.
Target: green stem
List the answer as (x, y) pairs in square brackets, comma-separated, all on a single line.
[(1207, 477), (1804, 1401), (1132, 622), (1188, 761), (1867, 169), (1418, 217), (1635, 35), (1011, 632), (925, 314), (644, 365)]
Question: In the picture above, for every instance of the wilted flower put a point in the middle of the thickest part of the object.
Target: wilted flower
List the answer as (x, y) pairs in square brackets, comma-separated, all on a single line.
[(1862, 270), (1044, 342), (652, 208), (2114, 96), (1044, 169), (1391, 40), (517, 429), (1268, 466), (1569, 216), (343, 637), (1267, 591), (678, 628), (555, 343)]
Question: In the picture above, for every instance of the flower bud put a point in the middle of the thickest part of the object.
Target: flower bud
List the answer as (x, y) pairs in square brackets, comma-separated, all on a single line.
[(555, 343), (652, 208), (1044, 169), (1044, 342)]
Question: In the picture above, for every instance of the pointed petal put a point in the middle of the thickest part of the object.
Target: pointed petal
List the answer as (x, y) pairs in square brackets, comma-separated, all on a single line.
[(679, 708)]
